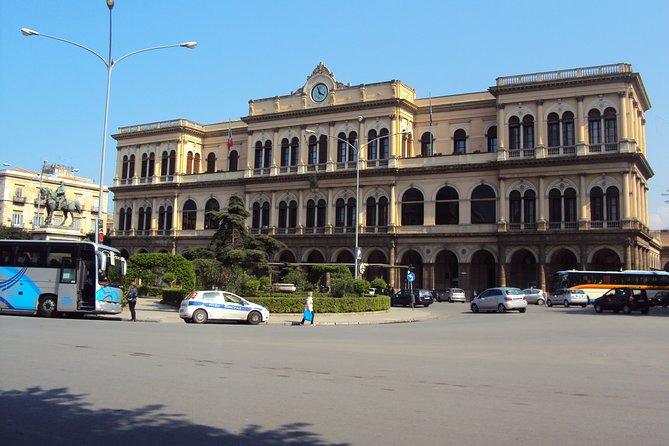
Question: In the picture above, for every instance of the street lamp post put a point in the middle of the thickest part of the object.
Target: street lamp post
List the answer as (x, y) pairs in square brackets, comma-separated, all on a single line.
[(357, 254), (39, 194), (109, 64)]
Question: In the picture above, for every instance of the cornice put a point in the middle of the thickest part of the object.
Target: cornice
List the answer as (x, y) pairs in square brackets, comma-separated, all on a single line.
[(393, 102), (562, 83), (165, 131)]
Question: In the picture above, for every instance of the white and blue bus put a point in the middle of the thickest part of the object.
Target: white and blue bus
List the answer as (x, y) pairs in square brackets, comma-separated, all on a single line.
[(596, 283), (51, 277)]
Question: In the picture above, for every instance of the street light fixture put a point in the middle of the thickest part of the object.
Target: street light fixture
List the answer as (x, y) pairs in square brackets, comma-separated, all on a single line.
[(357, 254), (109, 64)]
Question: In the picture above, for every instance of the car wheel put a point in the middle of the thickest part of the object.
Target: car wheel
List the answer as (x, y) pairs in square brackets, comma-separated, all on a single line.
[(644, 311), (598, 308), (566, 303), (426, 305), (200, 316), (627, 309), (188, 321), (47, 307), (522, 310), (540, 302), (475, 308), (549, 303), (501, 308), (584, 305), (254, 318), (450, 301)]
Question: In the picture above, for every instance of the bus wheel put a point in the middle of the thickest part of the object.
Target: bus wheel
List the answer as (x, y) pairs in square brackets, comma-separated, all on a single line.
[(47, 307)]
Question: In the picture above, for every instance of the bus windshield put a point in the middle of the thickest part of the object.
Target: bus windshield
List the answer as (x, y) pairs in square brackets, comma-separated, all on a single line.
[(110, 272)]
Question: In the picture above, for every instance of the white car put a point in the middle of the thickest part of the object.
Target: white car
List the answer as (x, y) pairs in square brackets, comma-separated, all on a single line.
[(500, 299), (567, 297), (201, 306), (535, 296)]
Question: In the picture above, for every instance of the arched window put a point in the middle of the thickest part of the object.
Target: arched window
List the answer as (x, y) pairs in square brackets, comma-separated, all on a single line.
[(255, 216), (189, 163), (152, 164), (128, 219), (144, 219), (447, 207), (285, 152), (313, 150), (292, 214), (426, 144), (124, 168), (371, 212), (196, 163), (596, 204), (514, 133), (610, 126), (528, 132), (382, 212), (377, 213), (342, 147), (372, 145), (529, 207), (612, 204), (211, 162), (412, 207), (553, 123), (209, 208), (492, 139), (173, 162), (267, 154), (459, 142), (131, 167), (140, 219), (233, 161), (258, 156), (283, 214), (260, 216), (121, 220), (594, 127), (561, 207), (294, 151), (568, 135), (265, 215), (164, 219), (384, 144), (320, 213), (323, 149), (515, 207), (350, 213), (483, 208), (353, 146), (145, 166), (189, 215), (164, 163), (340, 212), (311, 214)]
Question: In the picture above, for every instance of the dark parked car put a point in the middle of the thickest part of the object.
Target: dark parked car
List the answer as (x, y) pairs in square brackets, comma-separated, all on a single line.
[(625, 299), (421, 297), (661, 299)]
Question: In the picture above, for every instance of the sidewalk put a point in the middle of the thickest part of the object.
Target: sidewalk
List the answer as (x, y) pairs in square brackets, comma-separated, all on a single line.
[(151, 310)]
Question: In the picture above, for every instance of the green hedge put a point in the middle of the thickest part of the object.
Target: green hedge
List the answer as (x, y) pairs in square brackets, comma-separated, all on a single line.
[(174, 296), (324, 304)]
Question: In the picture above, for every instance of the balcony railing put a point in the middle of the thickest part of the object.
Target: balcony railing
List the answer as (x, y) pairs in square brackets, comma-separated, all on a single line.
[(288, 169), (19, 199), (561, 151), (314, 230), (523, 226), (612, 147), (574, 73), (605, 224), (521, 153), (568, 225)]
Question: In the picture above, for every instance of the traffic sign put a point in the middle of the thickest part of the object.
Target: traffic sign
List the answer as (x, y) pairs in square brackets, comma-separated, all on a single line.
[(411, 276)]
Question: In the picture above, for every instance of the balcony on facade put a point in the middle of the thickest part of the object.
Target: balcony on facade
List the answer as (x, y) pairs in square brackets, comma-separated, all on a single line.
[(570, 74)]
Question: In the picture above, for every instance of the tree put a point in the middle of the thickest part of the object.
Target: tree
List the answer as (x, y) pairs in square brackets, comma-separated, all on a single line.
[(7, 233), (233, 244)]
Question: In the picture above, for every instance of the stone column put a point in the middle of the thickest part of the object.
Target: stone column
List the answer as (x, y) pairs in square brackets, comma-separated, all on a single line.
[(622, 124), (626, 196), (303, 151), (541, 199), (276, 153), (502, 126), (540, 122), (502, 202), (392, 211), (583, 216), (580, 127)]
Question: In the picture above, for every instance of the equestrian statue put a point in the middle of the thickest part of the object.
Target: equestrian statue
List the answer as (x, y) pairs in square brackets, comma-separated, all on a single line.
[(57, 202)]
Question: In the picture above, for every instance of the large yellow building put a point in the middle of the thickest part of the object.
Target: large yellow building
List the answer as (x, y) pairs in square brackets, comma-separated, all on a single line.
[(22, 205), (541, 172)]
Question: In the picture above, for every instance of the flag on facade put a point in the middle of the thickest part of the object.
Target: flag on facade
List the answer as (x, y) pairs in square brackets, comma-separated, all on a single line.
[(229, 137)]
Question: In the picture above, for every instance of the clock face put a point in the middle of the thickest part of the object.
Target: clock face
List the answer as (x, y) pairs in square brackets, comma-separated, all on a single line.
[(319, 92)]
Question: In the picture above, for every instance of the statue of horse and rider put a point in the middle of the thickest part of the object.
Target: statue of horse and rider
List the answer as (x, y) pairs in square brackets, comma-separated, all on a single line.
[(57, 202)]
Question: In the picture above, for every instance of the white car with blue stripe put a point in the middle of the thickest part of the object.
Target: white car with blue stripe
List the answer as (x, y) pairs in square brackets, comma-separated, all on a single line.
[(202, 306)]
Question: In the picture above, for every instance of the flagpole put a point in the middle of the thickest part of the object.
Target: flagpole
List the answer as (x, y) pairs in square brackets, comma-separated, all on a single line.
[(431, 136)]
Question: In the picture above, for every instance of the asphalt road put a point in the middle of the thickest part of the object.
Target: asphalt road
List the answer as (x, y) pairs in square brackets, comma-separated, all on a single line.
[(551, 376)]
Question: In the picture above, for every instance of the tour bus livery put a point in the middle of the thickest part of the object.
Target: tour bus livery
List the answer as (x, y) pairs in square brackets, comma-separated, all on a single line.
[(596, 283), (50, 277)]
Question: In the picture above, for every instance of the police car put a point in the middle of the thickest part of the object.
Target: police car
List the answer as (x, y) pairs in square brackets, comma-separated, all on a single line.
[(201, 306)]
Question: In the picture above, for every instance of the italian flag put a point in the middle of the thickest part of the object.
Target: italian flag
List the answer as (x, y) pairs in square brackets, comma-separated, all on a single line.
[(229, 137)]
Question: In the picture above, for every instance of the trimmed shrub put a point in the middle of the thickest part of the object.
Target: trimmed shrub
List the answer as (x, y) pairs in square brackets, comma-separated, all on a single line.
[(361, 286), (174, 296), (151, 264), (379, 284), (325, 304)]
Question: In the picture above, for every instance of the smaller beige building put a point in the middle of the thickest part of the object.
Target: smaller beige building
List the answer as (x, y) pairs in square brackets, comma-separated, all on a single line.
[(20, 205)]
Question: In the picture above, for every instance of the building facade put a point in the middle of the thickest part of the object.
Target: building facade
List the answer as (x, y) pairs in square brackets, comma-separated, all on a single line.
[(22, 205), (541, 172)]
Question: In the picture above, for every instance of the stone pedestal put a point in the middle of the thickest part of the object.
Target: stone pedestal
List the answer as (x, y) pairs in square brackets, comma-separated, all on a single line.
[(57, 233)]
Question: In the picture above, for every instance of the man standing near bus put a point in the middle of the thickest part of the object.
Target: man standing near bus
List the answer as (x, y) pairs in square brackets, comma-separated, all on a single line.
[(132, 301)]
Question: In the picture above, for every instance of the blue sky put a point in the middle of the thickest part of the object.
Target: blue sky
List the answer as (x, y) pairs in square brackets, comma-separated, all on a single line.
[(52, 94)]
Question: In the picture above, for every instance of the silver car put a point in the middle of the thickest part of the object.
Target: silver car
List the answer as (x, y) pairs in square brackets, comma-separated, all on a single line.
[(500, 299), (568, 297), (201, 306), (456, 295), (535, 296)]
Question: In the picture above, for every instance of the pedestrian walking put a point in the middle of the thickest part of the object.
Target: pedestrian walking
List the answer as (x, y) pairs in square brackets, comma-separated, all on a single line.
[(131, 297), (308, 314)]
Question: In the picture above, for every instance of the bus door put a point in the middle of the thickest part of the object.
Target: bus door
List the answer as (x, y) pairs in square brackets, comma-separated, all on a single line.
[(86, 285)]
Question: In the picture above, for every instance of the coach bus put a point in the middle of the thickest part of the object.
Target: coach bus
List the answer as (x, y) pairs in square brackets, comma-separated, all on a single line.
[(51, 277), (596, 283)]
